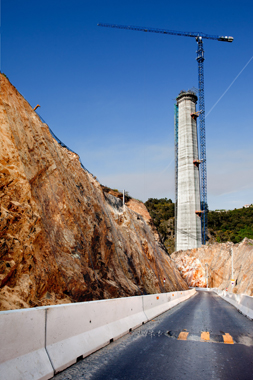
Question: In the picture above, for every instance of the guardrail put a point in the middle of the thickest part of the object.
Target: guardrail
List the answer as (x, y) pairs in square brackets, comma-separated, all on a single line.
[(37, 343)]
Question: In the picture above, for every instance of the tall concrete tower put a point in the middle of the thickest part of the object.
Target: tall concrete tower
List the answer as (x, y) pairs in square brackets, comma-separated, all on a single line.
[(188, 215)]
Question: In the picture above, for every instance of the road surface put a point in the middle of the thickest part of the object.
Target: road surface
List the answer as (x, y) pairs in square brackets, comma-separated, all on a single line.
[(202, 338)]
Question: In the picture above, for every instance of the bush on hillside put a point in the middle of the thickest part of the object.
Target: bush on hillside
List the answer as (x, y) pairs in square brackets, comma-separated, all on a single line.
[(232, 225)]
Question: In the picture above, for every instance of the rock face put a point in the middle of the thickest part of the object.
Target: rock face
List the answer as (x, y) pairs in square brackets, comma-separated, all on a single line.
[(218, 257), (62, 239)]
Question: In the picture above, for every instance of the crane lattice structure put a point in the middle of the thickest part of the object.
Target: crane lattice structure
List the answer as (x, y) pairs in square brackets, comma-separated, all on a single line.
[(202, 130)]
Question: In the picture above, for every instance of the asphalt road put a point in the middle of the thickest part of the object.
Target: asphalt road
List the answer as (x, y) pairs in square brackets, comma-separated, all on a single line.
[(219, 346)]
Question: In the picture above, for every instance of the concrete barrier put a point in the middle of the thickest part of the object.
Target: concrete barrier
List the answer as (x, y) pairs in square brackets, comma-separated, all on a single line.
[(203, 289), (77, 330), (37, 343), (246, 306), (156, 304), (181, 296), (241, 302), (22, 345)]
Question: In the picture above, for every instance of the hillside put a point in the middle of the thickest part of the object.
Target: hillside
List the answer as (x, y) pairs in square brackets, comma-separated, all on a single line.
[(223, 226), (162, 214), (231, 225), (64, 237), (215, 262)]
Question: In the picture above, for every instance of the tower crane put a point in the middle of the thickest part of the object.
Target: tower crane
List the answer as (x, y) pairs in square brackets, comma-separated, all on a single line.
[(202, 130)]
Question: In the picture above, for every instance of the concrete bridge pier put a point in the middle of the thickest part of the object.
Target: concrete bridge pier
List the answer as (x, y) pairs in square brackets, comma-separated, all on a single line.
[(188, 189)]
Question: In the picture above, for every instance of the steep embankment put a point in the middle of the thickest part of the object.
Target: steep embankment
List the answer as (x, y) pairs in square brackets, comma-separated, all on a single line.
[(62, 239), (215, 260)]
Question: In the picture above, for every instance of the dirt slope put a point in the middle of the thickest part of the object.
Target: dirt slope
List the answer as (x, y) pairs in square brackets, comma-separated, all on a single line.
[(218, 257), (62, 239)]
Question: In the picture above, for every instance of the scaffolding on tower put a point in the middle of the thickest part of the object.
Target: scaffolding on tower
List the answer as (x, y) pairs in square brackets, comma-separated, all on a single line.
[(176, 165)]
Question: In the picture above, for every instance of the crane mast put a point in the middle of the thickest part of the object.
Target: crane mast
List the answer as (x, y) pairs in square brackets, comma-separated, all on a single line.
[(202, 139), (202, 130)]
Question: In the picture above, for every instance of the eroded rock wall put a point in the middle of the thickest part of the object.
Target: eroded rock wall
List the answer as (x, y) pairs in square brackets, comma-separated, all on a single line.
[(62, 239), (215, 262)]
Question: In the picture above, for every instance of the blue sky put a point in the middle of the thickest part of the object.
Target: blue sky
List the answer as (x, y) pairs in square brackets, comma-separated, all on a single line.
[(109, 94)]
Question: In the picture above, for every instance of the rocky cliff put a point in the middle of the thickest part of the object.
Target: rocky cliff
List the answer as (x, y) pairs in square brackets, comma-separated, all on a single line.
[(215, 262), (62, 238)]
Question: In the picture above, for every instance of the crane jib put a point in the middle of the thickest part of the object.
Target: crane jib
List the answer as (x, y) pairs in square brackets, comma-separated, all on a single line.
[(171, 32)]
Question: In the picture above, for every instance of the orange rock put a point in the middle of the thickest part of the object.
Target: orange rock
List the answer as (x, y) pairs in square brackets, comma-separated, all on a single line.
[(192, 266), (62, 239)]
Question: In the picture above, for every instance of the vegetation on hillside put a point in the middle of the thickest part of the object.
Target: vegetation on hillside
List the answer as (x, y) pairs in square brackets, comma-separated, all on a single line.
[(4, 75), (116, 193), (231, 225), (162, 213)]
